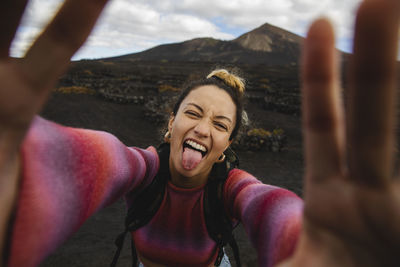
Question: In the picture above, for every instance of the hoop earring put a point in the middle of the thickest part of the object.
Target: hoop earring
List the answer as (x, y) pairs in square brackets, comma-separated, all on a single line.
[(221, 158), (167, 137)]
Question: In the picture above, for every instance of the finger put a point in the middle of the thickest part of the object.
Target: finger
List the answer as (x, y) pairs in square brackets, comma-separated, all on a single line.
[(322, 119), (10, 15), (372, 92), (51, 53)]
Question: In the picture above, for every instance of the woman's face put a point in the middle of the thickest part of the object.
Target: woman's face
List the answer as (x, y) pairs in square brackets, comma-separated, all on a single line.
[(200, 133)]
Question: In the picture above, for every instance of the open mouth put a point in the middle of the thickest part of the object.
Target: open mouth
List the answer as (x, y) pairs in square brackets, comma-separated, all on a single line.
[(192, 154), (195, 146)]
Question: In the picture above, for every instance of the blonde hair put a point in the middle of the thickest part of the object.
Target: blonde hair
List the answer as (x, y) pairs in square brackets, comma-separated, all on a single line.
[(229, 79)]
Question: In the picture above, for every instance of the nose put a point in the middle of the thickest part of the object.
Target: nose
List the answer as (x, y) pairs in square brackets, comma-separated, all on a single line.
[(202, 129)]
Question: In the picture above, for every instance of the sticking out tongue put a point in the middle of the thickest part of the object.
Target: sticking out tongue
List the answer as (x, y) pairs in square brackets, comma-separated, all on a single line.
[(190, 158)]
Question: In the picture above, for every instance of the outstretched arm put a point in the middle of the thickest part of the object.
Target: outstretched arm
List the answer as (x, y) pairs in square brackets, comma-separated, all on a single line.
[(25, 83), (67, 175), (352, 202), (270, 215)]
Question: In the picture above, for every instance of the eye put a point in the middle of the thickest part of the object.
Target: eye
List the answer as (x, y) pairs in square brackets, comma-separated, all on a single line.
[(221, 126), (192, 113)]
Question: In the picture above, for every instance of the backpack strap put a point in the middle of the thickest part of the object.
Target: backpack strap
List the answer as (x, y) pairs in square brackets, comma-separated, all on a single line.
[(235, 249), (119, 242), (148, 201), (219, 224), (146, 204)]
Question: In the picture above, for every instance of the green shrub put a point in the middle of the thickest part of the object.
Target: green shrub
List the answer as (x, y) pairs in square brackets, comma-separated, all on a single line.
[(167, 87), (75, 90), (261, 139)]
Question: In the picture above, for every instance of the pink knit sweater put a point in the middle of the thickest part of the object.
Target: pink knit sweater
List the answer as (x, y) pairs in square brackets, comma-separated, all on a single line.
[(68, 174)]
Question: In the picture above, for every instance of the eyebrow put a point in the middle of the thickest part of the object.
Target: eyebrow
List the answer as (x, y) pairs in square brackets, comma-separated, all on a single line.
[(201, 110)]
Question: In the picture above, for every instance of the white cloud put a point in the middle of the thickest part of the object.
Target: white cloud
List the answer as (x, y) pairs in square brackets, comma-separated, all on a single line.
[(37, 15), (38, 12), (129, 26), (139, 26)]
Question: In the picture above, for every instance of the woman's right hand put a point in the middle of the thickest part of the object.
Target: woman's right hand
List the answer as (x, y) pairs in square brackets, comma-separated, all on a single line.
[(25, 83)]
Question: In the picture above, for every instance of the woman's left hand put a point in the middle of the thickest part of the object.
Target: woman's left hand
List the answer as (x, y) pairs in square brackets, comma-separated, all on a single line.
[(352, 201)]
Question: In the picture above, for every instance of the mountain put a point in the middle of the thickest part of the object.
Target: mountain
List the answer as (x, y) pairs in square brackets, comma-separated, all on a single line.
[(266, 57), (266, 44), (270, 39)]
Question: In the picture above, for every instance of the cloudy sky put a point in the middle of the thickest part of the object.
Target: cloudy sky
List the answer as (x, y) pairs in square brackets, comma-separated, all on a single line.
[(128, 26)]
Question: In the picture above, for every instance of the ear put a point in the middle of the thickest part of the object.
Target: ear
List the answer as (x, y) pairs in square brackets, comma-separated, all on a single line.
[(229, 143), (171, 121)]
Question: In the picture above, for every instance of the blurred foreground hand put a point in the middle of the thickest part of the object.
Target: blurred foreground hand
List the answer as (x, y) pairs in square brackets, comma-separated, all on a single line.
[(352, 200), (25, 83)]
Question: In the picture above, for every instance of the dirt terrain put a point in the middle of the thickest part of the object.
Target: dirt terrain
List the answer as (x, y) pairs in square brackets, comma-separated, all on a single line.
[(93, 244)]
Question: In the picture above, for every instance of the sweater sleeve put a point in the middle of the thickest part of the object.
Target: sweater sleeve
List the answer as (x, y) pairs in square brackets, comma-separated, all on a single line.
[(67, 175), (270, 215)]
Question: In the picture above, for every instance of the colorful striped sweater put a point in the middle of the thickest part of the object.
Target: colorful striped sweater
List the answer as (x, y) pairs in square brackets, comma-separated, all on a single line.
[(68, 174)]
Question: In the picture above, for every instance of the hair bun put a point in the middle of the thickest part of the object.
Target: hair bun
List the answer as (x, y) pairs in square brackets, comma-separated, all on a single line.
[(230, 79)]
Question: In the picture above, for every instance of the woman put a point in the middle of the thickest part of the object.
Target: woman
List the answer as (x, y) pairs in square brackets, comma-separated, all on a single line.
[(351, 215), (80, 171)]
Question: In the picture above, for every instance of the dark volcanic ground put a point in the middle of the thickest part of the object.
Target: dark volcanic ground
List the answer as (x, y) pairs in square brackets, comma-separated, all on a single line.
[(93, 244)]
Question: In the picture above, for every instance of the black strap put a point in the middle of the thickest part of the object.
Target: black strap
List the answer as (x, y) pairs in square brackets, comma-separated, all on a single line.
[(220, 255), (119, 242), (235, 249), (146, 204), (219, 224), (134, 254)]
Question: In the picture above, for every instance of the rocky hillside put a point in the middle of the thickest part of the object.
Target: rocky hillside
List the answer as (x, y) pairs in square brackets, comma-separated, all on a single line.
[(267, 57), (267, 44), (272, 40), (274, 88)]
